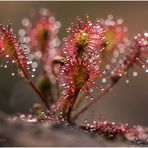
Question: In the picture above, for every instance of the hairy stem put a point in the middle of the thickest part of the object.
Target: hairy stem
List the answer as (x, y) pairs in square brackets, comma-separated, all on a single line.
[(128, 62), (72, 104), (108, 88)]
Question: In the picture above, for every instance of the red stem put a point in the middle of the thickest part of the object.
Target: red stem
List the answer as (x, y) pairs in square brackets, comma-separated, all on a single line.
[(32, 85)]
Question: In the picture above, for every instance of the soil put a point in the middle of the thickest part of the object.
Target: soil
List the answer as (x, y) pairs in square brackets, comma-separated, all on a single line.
[(20, 133)]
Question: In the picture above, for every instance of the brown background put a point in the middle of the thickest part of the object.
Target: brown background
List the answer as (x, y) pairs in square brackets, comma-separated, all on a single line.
[(126, 103)]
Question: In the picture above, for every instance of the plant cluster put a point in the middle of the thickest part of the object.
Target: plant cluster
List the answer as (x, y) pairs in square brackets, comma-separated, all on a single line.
[(92, 58)]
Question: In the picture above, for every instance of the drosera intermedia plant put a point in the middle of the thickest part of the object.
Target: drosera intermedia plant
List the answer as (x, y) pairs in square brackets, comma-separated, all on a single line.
[(95, 55), (81, 53), (40, 37), (137, 56), (11, 50)]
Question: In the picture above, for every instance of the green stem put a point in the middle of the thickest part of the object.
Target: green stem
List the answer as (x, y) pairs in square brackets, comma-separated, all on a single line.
[(56, 79), (72, 104), (108, 88)]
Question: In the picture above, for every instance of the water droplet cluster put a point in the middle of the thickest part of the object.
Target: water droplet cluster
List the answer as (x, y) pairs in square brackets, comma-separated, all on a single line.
[(11, 50), (40, 38), (111, 130), (41, 35), (137, 56), (81, 51)]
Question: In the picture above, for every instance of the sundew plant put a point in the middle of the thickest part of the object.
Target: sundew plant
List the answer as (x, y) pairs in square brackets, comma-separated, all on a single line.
[(94, 56)]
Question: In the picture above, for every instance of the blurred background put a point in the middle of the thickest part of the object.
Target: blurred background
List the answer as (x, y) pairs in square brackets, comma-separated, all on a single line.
[(126, 103)]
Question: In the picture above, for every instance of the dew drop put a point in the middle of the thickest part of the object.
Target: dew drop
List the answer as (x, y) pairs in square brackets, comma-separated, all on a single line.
[(102, 89), (21, 32), (104, 72), (5, 66), (146, 70), (32, 76), (91, 98), (13, 61), (34, 70), (87, 124), (13, 74), (127, 81), (29, 62), (120, 21), (146, 34), (107, 66), (25, 22), (143, 66), (104, 80), (86, 97), (94, 122), (63, 84), (135, 74)]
